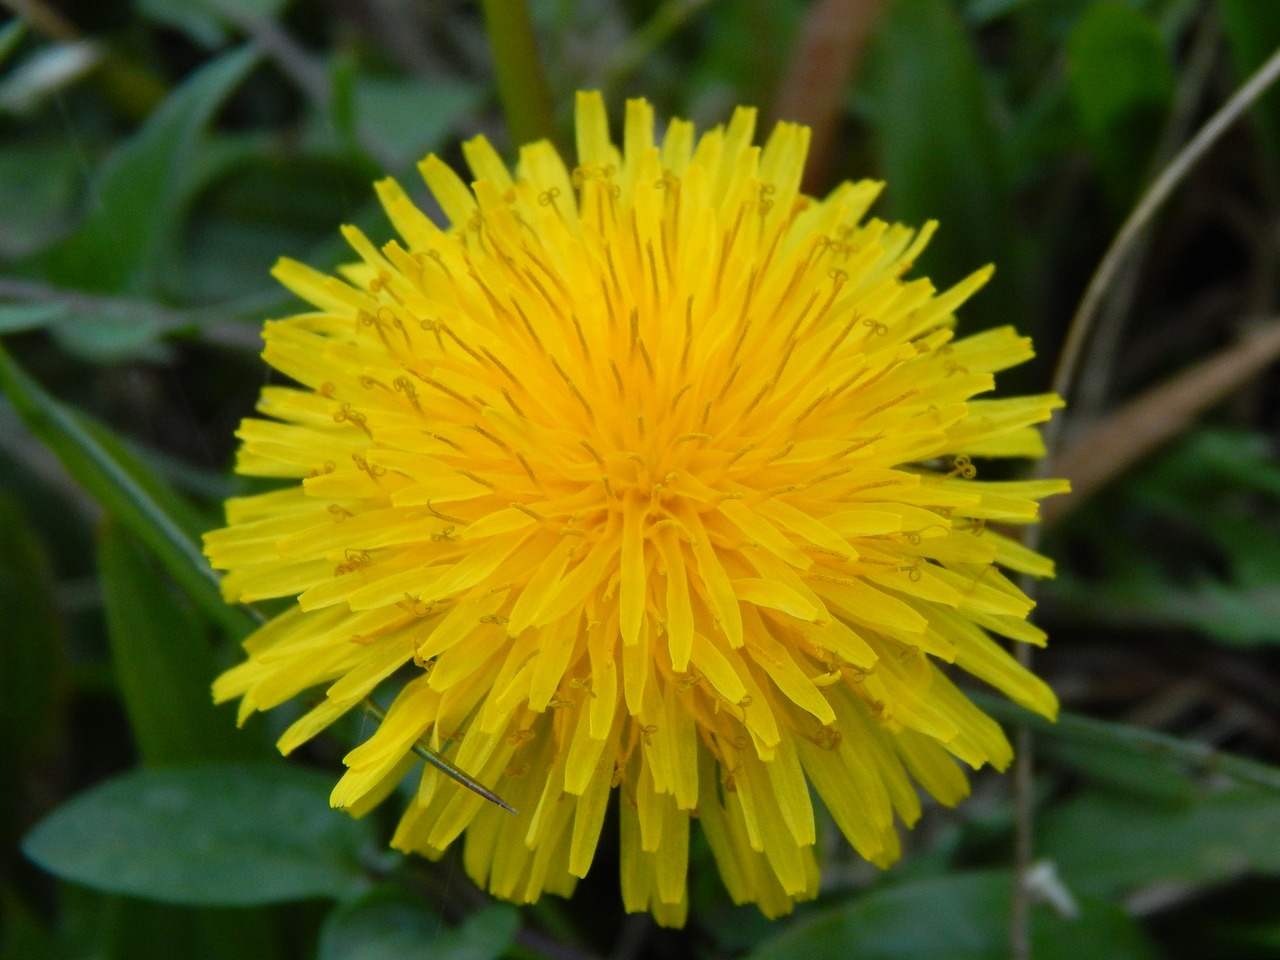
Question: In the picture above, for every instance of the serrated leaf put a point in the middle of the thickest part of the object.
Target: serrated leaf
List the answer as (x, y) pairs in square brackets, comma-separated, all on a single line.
[(963, 916), (162, 660), (97, 460), (218, 834), (1121, 85), (140, 197), (390, 923)]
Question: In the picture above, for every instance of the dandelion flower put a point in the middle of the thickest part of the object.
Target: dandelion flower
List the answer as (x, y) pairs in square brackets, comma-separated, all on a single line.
[(650, 474)]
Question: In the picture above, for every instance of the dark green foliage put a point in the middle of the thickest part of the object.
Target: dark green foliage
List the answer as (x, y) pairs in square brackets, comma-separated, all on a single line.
[(209, 834)]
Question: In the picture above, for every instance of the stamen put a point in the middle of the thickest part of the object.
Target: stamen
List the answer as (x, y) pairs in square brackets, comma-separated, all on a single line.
[(501, 366), (818, 401), (524, 462), (511, 403), (432, 382), (444, 516), (478, 479), (448, 332), (526, 510), (573, 387), (688, 334)]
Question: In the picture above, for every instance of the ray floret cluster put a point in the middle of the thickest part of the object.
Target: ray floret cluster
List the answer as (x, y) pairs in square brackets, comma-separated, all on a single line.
[(650, 476)]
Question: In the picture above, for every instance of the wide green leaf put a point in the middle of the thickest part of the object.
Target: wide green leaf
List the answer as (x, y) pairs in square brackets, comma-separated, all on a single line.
[(40, 184), (22, 317), (407, 120), (126, 241), (962, 916), (99, 463), (390, 923), (162, 660), (1134, 842), (218, 834)]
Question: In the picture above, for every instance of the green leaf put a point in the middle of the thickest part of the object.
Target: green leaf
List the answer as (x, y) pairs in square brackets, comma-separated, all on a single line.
[(390, 923), (1189, 757), (1103, 763), (45, 73), (400, 120), (11, 36), (40, 184), (194, 19), (239, 10), (963, 916), (941, 153), (32, 664), (1121, 84), (1217, 493), (1109, 844), (24, 935), (162, 661), (108, 340), (218, 834), (22, 317), (99, 463), (106, 927), (1253, 33), (125, 243)]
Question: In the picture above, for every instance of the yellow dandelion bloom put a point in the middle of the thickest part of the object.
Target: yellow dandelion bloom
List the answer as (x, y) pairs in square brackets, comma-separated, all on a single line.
[(650, 474)]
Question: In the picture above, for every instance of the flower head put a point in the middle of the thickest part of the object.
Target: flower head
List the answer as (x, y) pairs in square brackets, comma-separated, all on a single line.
[(651, 474)]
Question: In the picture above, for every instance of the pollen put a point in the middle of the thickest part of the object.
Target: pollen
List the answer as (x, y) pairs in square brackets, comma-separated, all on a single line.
[(651, 477)]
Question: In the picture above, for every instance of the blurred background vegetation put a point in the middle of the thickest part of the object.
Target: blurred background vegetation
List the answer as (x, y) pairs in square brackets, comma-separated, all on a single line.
[(158, 155)]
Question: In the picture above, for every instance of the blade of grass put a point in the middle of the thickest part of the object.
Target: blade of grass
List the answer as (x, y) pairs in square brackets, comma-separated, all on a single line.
[(522, 84), (162, 660), (121, 489), (640, 44), (443, 765)]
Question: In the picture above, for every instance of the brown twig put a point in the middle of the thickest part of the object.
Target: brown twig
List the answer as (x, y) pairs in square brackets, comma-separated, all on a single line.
[(1139, 427)]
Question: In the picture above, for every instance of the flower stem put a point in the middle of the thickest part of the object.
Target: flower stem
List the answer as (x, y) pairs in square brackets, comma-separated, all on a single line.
[(522, 84)]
